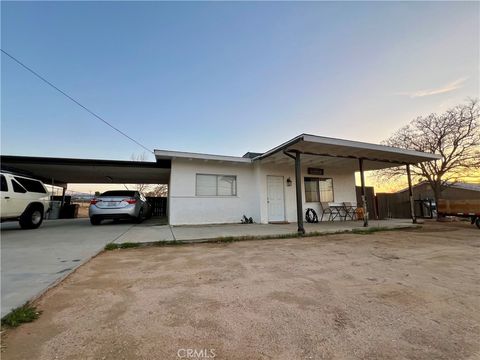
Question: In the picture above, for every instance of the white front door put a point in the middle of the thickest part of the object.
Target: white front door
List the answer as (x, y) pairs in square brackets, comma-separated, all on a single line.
[(275, 198)]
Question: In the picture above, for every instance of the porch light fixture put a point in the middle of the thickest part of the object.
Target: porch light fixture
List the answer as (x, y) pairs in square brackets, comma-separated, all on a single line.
[(289, 182)]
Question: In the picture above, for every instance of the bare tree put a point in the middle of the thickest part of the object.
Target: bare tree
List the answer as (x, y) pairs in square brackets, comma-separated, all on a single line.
[(152, 190), (158, 191), (454, 135)]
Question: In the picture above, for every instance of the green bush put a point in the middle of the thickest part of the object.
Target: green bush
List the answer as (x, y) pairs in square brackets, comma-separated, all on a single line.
[(111, 246)]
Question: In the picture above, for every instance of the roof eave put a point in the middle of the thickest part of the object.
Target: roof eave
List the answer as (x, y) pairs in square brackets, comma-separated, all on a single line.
[(167, 154)]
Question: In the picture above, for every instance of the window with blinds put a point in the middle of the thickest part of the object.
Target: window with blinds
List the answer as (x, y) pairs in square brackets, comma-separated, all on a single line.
[(216, 185)]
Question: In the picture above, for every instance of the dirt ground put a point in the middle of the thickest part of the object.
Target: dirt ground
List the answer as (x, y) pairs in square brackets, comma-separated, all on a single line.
[(411, 294)]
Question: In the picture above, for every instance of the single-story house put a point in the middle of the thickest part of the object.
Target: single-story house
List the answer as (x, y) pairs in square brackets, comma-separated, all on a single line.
[(277, 185)]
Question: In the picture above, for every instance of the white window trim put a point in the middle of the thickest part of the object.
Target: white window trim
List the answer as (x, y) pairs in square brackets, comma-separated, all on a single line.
[(216, 188), (318, 179)]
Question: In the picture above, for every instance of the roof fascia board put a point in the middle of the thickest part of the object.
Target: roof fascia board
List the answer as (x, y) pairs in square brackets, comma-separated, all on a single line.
[(167, 154), (280, 147), (77, 162), (349, 143), (368, 146)]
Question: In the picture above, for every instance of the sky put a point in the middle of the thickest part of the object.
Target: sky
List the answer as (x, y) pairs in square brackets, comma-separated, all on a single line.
[(228, 77)]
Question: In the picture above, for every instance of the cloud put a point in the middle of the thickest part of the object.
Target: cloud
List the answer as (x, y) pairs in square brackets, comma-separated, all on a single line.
[(454, 85)]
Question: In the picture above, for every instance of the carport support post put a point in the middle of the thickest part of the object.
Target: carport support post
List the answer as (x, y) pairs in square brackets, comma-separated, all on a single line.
[(410, 195), (298, 186), (63, 196), (364, 199)]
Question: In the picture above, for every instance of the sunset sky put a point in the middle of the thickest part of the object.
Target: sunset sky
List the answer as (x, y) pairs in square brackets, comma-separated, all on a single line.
[(228, 77)]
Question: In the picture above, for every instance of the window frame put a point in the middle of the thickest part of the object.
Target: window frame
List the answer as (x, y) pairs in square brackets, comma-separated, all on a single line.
[(314, 180), (317, 180), (4, 182), (216, 185), (16, 183), (31, 185)]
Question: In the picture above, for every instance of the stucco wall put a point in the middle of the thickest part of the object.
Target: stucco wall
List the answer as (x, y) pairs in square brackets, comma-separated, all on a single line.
[(186, 208), (343, 188), (251, 199)]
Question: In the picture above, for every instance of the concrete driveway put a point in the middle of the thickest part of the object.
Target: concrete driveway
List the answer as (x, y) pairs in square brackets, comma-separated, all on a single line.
[(33, 260), (410, 294)]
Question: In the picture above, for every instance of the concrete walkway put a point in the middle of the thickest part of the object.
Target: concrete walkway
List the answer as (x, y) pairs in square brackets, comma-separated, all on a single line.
[(145, 233)]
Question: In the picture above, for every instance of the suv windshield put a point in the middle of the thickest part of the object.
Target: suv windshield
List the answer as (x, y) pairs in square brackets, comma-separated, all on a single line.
[(119, 193)]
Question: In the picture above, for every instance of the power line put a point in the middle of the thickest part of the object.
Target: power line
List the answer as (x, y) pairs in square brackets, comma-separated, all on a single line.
[(75, 101)]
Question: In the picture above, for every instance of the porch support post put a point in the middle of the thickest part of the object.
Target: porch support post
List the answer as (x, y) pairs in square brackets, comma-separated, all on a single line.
[(298, 185), (364, 199), (410, 195)]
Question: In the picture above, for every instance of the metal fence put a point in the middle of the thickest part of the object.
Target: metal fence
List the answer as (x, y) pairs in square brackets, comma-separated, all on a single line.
[(159, 205)]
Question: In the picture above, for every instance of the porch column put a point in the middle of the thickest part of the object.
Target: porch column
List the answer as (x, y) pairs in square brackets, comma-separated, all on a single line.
[(298, 185), (364, 199), (410, 194)]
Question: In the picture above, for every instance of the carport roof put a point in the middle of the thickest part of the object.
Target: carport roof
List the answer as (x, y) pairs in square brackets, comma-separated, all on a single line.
[(68, 170)]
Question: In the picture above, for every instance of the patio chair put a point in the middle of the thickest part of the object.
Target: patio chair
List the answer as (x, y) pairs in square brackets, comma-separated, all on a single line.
[(350, 210), (326, 210)]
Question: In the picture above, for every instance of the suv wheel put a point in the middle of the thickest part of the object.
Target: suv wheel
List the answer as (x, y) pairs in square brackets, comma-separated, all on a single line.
[(95, 220), (32, 217)]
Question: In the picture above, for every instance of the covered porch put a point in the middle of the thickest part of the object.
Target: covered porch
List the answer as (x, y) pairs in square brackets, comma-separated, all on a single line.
[(311, 154)]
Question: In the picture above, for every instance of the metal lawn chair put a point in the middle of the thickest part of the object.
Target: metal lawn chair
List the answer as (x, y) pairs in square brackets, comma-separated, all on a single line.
[(325, 209), (350, 210)]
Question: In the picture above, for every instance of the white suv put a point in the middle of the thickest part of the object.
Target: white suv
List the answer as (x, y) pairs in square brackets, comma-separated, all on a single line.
[(23, 199)]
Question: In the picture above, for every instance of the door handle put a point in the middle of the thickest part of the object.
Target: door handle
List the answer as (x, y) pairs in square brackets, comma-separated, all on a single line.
[(7, 197)]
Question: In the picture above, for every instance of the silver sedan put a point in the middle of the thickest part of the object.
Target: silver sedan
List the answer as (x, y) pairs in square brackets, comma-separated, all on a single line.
[(119, 204)]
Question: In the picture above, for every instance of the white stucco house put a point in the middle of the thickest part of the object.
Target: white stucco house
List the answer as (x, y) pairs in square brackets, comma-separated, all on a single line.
[(275, 186)]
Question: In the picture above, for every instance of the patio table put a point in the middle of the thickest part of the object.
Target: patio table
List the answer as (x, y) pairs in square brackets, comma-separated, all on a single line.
[(337, 210)]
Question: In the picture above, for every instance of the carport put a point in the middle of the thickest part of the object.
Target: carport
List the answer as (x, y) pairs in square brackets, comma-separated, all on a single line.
[(63, 171)]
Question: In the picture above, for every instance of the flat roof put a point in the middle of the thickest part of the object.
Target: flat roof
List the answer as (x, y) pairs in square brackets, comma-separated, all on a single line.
[(321, 151), (170, 155), (71, 170), (331, 152)]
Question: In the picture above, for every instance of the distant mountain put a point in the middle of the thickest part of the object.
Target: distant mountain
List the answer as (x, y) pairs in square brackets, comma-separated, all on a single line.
[(79, 195)]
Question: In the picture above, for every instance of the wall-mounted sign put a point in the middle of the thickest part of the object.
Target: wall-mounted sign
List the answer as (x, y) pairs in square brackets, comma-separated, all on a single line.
[(315, 171)]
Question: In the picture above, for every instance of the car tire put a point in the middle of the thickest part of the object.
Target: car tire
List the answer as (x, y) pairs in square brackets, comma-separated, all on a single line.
[(140, 216), (477, 222), (95, 220), (32, 217)]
